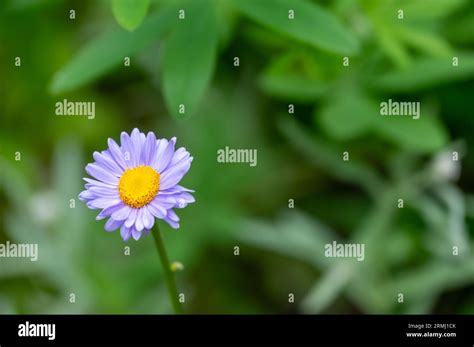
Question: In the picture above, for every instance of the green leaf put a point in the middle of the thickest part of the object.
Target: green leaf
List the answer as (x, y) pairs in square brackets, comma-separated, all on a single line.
[(326, 290), (189, 58), (423, 135), (130, 13), (427, 72), (293, 88), (348, 116), (295, 77), (423, 41), (420, 9), (109, 50), (311, 24), (390, 43)]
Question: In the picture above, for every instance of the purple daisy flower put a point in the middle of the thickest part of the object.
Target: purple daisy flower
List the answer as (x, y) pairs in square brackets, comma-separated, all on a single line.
[(137, 182)]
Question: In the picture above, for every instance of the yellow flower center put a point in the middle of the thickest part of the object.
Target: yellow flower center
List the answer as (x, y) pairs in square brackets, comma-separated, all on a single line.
[(139, 186)]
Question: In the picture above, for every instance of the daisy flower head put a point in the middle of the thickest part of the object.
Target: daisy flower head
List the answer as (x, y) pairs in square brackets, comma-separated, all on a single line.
[(137, 181)]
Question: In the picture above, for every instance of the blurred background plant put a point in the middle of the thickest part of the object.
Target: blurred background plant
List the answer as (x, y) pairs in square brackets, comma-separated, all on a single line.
[(245, 103)]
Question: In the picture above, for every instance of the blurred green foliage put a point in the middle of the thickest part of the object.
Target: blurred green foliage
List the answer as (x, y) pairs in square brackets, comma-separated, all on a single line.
[(191, 62), (130, 13)]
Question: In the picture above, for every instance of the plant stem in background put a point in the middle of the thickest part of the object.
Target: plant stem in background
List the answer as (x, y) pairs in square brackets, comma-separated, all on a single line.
[(169, 277)]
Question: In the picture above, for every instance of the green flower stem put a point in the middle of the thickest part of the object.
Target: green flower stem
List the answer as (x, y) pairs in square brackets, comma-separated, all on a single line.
[(169, 277)]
